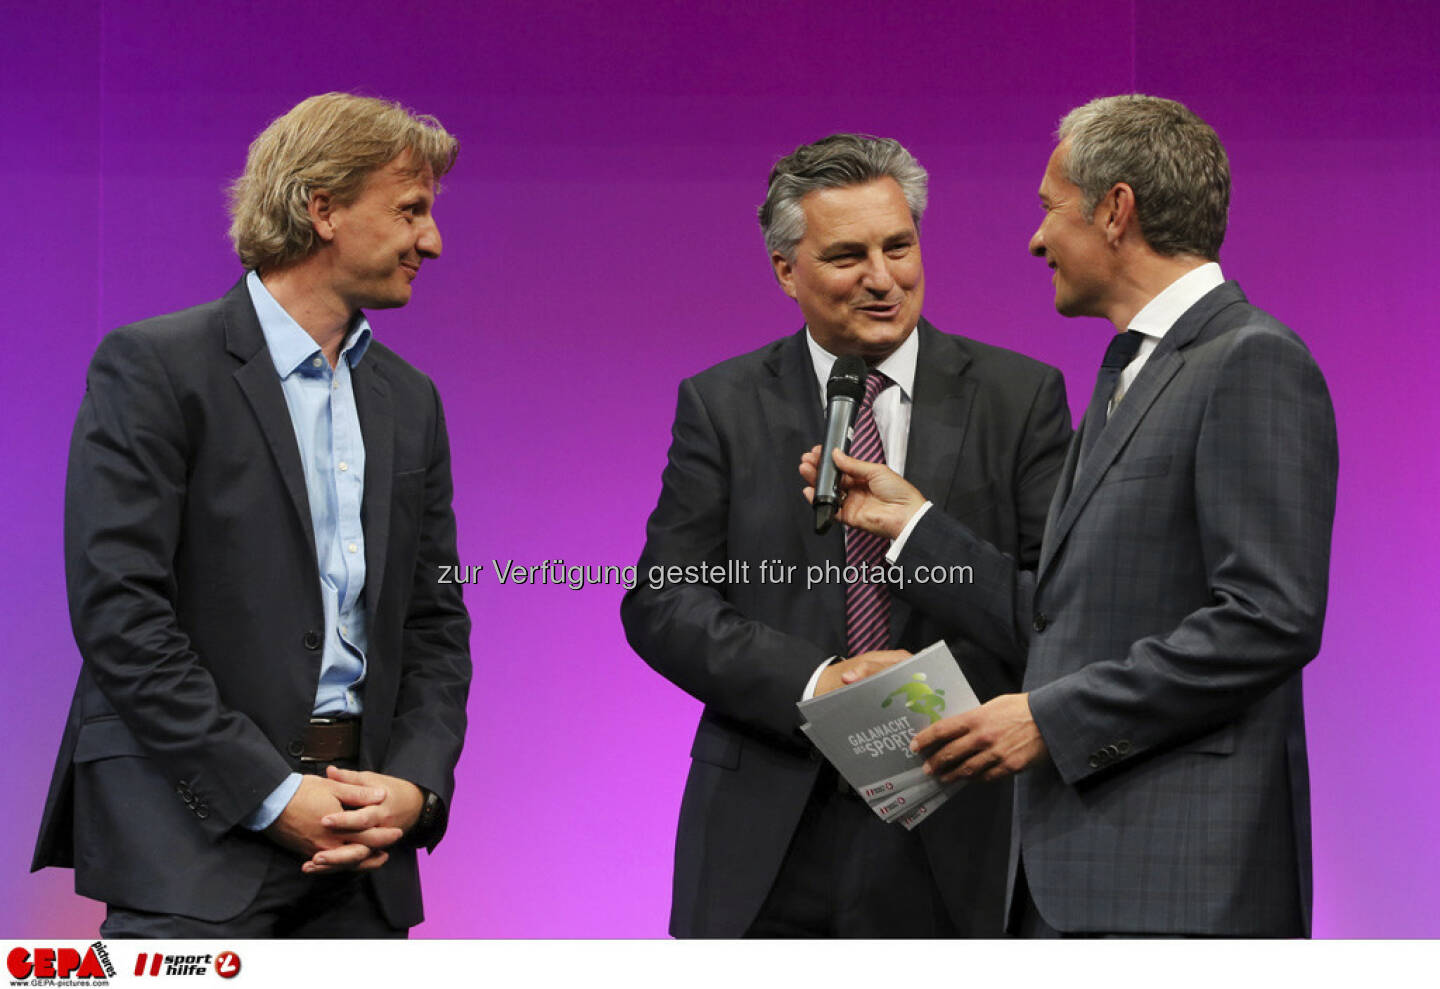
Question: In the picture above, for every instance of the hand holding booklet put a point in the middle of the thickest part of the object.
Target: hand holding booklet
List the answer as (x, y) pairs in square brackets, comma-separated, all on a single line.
[(865, 729)]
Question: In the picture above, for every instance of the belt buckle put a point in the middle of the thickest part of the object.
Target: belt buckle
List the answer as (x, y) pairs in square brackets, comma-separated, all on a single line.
[(331, 743)]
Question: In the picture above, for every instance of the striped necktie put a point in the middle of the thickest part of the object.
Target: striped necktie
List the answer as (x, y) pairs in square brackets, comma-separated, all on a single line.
[(867, 606)]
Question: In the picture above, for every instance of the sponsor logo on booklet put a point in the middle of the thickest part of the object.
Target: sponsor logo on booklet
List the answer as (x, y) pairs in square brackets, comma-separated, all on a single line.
[(920, 698)]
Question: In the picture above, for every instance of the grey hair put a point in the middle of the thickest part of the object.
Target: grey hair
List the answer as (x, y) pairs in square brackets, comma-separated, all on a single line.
[(332, 141), (835, 162), (1172, 160)]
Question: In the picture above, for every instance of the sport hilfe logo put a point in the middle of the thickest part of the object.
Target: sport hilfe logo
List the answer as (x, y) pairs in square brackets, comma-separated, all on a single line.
[(40, 964), (226, 964)]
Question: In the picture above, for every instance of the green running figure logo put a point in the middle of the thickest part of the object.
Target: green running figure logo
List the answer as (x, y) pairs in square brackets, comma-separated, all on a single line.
[(920, 697)]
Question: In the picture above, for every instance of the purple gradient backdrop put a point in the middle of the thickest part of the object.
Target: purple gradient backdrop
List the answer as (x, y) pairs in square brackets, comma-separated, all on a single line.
[(600, 244)]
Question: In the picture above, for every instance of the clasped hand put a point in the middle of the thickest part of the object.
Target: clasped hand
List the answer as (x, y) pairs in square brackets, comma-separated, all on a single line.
[(848, 671), (347, 819)]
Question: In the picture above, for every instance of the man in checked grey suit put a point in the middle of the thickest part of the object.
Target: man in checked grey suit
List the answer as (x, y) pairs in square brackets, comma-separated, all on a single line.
[(1181, 587)]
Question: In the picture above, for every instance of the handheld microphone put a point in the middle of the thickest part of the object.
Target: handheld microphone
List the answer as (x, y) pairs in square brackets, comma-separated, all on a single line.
[(842, 397)]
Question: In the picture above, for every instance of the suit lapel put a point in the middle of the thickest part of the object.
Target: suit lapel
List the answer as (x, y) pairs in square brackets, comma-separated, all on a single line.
[(1159, 370), (939, 420), (375, 409), (794, 421), (940, 414), (260, 384), (1153, 378)]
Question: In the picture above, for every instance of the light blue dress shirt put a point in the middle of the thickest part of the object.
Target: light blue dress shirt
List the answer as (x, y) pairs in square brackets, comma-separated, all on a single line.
[(321, 400)]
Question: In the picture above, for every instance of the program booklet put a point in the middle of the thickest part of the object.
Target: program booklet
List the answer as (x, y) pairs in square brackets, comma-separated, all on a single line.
[(865, 729)]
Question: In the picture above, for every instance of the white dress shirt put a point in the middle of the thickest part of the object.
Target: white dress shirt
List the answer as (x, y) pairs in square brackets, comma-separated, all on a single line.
[(892, 406), (891, 410), (1156, 317)]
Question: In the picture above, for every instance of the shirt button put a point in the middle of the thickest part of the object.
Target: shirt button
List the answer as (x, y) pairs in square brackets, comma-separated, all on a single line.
[(1041, 622), (318, 361), (343, 465), (353, 548)]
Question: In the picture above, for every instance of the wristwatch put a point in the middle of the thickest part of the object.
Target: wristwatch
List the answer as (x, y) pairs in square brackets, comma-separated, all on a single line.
[(428, 822)]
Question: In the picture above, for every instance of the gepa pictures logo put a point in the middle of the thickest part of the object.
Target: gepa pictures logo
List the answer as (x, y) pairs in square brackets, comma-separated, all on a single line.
[(39, 965)]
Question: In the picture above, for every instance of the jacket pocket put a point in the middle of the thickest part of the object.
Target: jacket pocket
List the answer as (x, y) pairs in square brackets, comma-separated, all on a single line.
[(1130, 470), (715, 746), (105, 738), (1218, 742)]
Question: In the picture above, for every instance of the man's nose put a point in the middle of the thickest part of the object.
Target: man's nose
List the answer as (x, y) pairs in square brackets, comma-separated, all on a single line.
[(429, 242), (1037, 243), (878, 278)]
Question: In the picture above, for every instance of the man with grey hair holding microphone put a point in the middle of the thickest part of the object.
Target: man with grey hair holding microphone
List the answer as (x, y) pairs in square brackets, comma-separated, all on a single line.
[(769, 843), (1159, 736)]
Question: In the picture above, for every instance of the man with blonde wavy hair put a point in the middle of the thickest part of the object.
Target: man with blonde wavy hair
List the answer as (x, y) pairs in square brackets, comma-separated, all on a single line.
[(272, 696)]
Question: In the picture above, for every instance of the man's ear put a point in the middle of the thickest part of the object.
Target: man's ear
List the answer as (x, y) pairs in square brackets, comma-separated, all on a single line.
[(1117, 210), (321, 208), (784, 273)]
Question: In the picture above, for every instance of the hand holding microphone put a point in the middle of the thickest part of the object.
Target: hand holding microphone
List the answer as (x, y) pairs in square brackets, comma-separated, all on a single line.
[(876, 498)]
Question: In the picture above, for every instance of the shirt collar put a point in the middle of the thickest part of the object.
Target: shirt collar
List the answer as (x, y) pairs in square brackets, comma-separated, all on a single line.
[(291, 348), (899, 367), (1161, 312)]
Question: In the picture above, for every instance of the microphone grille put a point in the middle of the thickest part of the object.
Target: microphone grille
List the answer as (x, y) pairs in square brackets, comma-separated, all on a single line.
[(847, 379)]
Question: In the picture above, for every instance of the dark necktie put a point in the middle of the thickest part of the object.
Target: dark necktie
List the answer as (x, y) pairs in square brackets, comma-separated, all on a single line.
[(867, 606), (1120, 353)]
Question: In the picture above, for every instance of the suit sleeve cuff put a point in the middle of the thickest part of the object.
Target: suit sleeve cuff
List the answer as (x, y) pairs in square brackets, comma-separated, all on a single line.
[(1063, 732), (271, 808), (892, 555), (815, 679)]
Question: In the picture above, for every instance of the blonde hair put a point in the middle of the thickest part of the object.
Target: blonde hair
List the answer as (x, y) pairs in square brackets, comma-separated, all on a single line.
[(332, 142)]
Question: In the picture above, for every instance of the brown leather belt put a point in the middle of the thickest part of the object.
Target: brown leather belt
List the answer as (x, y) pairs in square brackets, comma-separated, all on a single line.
[(328, 739)]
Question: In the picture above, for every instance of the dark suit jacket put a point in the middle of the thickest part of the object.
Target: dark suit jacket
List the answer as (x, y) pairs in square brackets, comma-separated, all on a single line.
[(988, 431), (1180, 590), (195, 600)]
